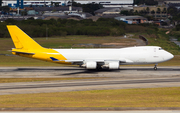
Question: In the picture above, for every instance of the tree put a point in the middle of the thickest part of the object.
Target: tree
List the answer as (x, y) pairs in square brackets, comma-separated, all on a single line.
[(89, 8), (124, 12), (56, 4), (147, 9), (164, 10), (0, 2), (11, 21), (150, 2), (147, 2), (158, 10), (24, 13), (52, 3), (152, 12), (142, 12), (4, 9), (138, 2), (173, 11), (136, 13), (150, 18), (127, 13)]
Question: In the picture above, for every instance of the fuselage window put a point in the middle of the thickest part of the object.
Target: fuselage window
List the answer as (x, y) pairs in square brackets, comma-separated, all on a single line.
[(160, 49)]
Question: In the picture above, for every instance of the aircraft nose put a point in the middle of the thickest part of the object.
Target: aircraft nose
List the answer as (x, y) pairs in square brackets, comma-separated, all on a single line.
[(169, 56)]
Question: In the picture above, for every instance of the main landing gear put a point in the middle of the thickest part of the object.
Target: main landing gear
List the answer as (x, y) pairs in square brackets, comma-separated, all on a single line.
[(155, 66)]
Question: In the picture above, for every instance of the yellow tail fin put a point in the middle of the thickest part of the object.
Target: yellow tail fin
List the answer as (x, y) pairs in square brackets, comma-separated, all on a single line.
[(22, 40)]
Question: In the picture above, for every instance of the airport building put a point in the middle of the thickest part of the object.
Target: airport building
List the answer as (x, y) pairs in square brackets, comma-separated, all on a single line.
[(105, 3), (158, 12)]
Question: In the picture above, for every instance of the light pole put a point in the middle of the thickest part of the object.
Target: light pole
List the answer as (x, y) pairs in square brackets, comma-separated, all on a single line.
[(46, 32)]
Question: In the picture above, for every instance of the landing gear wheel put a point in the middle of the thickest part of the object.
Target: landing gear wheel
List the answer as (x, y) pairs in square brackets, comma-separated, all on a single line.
[(98, 68), (155, 67)]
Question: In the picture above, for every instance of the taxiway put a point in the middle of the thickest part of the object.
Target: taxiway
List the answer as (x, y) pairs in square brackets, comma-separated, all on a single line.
[(126, 77)]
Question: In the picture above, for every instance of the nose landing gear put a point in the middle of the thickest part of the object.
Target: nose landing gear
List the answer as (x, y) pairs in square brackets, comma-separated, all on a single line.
[(155, 66)]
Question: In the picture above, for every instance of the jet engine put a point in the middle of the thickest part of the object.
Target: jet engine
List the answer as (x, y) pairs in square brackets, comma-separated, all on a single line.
[(114, 65), (111, 65), (91, 65)]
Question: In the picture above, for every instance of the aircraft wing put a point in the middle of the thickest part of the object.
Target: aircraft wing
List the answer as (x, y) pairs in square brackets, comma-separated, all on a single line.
[(86, 60), (72, 61)]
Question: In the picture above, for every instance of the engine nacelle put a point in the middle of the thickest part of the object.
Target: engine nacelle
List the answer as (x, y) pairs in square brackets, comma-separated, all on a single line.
[(114, 65), (91, 65)]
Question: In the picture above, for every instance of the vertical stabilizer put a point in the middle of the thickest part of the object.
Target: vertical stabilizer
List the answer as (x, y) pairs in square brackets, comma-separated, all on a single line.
[(22, 40)]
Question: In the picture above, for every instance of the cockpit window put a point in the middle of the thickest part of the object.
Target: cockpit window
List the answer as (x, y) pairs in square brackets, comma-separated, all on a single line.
[(160, 49)]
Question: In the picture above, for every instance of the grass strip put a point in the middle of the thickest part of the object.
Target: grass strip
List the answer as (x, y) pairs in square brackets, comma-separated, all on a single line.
[(145, 97), (10, 80)]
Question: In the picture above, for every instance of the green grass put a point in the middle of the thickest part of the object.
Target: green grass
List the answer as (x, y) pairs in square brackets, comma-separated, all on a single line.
[(71, 41), (10, 80), (162, 40), (66, 42), (147, 97), (6, 61)]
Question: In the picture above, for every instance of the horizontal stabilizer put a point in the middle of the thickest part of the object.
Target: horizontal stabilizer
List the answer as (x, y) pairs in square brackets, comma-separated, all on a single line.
[(27, 53)]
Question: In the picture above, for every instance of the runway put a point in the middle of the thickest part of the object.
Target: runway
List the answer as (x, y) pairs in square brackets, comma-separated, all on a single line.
[(126, 77), (61, 72), (144, 111)]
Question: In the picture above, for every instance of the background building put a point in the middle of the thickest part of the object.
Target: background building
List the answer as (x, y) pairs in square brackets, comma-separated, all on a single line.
[(105, 3), (159, 12), (162, 2), (132, 19)]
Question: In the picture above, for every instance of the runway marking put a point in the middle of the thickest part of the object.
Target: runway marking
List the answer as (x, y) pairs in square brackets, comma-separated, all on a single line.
[(92, 83)]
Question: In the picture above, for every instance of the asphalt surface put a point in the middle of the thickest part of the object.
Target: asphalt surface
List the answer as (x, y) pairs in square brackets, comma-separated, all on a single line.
[(159, 111), (126, 77), (65, 72)]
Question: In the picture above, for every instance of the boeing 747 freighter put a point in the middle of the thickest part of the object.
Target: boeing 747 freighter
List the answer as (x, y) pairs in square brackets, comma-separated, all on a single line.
[(89, 58)]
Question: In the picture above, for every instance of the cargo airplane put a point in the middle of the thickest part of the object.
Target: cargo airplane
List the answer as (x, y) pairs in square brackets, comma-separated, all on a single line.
[(88, 58)]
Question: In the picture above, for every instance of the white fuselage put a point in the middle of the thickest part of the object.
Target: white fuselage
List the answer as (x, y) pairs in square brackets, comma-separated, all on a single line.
[(129, 55), (88, 58)]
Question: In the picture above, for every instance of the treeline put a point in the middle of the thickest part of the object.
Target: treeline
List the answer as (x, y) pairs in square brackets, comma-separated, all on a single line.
[(147, 2), (174, 12), (0, 2), (63, 27), (175, 32), (88, 8)]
